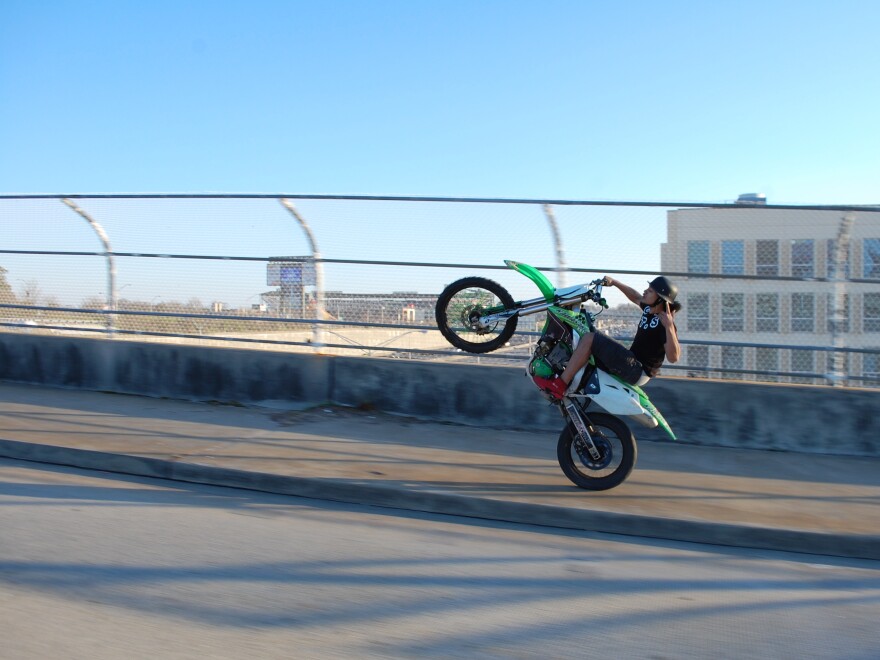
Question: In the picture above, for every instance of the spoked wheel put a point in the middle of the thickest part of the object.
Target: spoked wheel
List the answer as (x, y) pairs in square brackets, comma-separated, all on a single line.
[(617, 449), (460, 307)]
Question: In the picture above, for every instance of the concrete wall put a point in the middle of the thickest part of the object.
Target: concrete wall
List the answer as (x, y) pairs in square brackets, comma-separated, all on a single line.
[(796, 418)]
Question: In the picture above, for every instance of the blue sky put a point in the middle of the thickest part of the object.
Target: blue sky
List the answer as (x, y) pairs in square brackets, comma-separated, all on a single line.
[(659, 101)]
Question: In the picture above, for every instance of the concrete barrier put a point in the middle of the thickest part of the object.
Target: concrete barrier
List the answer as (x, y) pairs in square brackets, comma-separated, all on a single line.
[(722, 413), (162, 370)]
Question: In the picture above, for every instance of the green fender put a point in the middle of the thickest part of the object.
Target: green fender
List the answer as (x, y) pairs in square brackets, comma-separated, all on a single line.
[(650, 407), (544, 284)]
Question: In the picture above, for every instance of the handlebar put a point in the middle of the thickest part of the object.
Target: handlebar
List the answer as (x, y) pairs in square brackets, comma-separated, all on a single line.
[(598, 299), (580, 294), (596, 286)]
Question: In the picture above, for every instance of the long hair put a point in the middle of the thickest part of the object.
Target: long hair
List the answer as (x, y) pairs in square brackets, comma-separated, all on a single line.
[(674, 306)]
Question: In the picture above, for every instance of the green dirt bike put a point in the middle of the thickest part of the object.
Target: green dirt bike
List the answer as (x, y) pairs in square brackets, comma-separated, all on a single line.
[(596, 450)]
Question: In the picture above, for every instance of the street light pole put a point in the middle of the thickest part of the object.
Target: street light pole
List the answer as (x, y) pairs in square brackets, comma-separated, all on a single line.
[(557, 244), (111, 265), (317, 332), (835, 375)]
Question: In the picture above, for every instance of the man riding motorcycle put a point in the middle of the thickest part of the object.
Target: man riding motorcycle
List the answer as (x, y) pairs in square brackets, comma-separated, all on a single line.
[(656, 339)]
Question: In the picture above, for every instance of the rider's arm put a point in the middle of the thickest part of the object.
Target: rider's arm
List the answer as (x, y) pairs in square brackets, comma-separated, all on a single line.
[(633, 295), (672, 347)]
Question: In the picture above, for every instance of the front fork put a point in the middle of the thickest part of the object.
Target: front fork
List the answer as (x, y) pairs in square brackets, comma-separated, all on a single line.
[(572, 412)]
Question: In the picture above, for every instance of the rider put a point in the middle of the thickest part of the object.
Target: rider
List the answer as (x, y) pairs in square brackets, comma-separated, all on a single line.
[(656, 339)]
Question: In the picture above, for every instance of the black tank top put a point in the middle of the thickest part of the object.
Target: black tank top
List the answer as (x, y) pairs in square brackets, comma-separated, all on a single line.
[(649, 343)]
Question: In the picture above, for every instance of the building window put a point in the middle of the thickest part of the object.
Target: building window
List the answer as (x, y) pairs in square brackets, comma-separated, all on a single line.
[(698, 356), (767, 359), (843, 272), (732, 358), (802, 362), (844, 314), (733, 258), (871, 316), (802, 312), (698, 312), (767, 312), (872, 257), (802, 257), (698, 256), (732, 312), (767, 258)]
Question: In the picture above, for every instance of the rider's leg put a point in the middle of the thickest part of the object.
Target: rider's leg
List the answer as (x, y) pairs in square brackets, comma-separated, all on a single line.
[(578, 359), (557, 387)]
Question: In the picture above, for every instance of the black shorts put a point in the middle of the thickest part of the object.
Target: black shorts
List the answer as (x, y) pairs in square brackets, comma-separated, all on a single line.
[(616, 358)]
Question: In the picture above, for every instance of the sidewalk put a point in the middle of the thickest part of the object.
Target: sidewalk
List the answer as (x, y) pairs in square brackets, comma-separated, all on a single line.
[(747, 498)]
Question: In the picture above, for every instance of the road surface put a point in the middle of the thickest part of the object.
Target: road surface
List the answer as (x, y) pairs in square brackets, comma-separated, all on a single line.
[(103, 566)]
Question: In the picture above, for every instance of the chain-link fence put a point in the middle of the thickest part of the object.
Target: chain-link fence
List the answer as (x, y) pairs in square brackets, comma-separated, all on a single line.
[(770, 293)]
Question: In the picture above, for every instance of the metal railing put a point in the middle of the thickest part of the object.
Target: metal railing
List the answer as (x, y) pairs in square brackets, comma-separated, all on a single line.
[(383, 320)]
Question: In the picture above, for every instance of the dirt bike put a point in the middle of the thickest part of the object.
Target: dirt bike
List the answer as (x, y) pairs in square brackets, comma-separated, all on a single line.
[(596, 450)]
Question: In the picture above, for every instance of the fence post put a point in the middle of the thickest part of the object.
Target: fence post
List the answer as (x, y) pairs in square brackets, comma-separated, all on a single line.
[(317, 329), (557, 245), (110, 320), (838, 277)]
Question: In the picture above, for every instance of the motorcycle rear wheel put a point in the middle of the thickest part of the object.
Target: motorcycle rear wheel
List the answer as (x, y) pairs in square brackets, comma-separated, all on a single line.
[(615, 442), (462, 303)]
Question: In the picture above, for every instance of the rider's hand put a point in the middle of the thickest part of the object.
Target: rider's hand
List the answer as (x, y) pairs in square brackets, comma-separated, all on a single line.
[(607, 281), (667, 315)]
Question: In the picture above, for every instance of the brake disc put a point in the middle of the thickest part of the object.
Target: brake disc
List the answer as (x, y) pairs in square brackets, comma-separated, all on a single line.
[(605, 453)]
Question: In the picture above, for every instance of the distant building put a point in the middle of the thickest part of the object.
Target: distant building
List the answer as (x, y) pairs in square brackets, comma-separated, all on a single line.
[(777, 243), (405, 307), (619, 322)]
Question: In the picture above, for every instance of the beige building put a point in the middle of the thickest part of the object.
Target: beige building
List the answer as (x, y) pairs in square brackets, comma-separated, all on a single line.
[(775, 291)]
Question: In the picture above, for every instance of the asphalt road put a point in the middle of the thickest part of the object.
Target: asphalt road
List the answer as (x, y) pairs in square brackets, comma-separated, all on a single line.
[(100, 566)]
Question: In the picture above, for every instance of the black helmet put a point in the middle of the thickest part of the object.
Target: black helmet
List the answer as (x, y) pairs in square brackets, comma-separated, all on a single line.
[(664, 288)]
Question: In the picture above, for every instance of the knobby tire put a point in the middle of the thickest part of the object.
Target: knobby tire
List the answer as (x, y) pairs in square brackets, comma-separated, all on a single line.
[(578, 473), (448, 326)]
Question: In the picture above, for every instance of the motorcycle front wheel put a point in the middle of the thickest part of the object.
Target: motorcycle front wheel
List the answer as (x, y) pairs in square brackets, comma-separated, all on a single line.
[(617, 449), (459, 308)]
